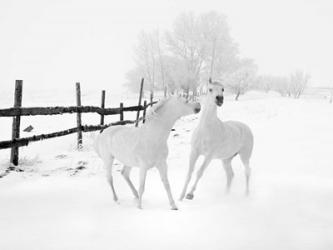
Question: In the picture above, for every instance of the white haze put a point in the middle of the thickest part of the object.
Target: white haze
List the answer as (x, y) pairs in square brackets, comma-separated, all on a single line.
[(52, 44)]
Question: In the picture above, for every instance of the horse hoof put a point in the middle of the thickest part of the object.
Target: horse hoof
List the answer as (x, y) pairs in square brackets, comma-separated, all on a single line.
[(174, 208), (189, 196)]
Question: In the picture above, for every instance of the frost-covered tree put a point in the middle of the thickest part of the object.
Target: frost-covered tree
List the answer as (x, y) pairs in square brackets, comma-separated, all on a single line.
[(292, 86), (241, 79), (220, 51), (279, 84), (176, 74), (263, 83), (204, 45), (149, 62), (196, 48), (298, 82), (146, 57), (185, 44)]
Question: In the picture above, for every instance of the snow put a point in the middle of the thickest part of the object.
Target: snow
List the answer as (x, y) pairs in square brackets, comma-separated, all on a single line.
[(62, 200)]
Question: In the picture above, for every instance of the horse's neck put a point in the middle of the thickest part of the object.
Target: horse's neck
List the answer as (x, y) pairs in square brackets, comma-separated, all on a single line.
[(209, 124), (208, 113), (161, 124)]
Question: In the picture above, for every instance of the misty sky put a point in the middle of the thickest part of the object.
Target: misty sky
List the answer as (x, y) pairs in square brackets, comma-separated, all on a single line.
[(52, 44)]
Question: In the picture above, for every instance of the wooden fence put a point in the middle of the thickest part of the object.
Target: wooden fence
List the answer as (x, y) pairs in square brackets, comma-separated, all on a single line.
[(18, 111)]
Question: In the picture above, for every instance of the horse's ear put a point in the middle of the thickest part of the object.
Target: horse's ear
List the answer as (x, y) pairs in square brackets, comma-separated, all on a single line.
[(210, 80)]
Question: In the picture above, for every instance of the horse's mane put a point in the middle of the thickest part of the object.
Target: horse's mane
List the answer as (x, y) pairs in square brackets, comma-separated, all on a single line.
[(153, 111)]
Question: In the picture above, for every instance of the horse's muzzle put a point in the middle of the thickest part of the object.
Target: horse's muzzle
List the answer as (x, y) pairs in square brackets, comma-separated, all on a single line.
[(219, 100)]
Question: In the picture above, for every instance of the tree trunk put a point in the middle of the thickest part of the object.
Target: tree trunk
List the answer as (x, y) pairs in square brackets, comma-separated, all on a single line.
[(161, 63), (213, 59), (187, 93), (194, 93), (237, 96)]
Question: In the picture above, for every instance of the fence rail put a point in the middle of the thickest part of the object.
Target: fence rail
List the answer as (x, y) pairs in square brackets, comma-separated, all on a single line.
[(87, 128), (33, 111), (17, 112)]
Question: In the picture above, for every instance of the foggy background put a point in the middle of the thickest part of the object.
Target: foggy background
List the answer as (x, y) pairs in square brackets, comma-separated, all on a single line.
[(52, 44)]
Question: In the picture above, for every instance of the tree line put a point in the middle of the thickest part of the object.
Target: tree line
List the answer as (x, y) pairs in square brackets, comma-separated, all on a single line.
[(199, 47)]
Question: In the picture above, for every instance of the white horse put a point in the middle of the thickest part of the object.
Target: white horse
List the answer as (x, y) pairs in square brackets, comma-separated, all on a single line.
[(215, 139), (143, 147)]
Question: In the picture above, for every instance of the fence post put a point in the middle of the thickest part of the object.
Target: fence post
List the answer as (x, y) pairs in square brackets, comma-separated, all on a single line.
[(144, 111), (102, 106), (121, 111), (78, 116), (151, 97), (14, 154), (140, 98)]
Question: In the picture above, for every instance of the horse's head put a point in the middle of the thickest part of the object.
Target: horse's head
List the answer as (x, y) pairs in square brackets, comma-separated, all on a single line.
[(184, 107), (175, 107), (215, 92)]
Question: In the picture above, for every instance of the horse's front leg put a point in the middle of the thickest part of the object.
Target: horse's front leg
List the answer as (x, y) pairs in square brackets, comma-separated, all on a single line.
[(143, 174), (193, 158), (204, 165), (163, 170), (229, 173)]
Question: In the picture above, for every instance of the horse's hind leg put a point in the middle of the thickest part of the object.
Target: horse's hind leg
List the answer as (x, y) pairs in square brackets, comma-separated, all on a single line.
[(108, 165), (143, 175), (229, 172), (126, 172), (204, 165), (193, 158), (246, 162), (245, 155)]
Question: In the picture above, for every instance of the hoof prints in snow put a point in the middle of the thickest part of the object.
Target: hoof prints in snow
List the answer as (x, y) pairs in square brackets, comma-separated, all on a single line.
[(81, 166), (61, 156), (10, 169)]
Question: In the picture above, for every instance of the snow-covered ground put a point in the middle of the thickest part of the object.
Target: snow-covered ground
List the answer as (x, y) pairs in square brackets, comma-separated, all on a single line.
[(62, 200)]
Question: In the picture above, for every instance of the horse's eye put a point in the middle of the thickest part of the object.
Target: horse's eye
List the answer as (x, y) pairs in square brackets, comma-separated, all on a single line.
[(210, 90), (222, 89)]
